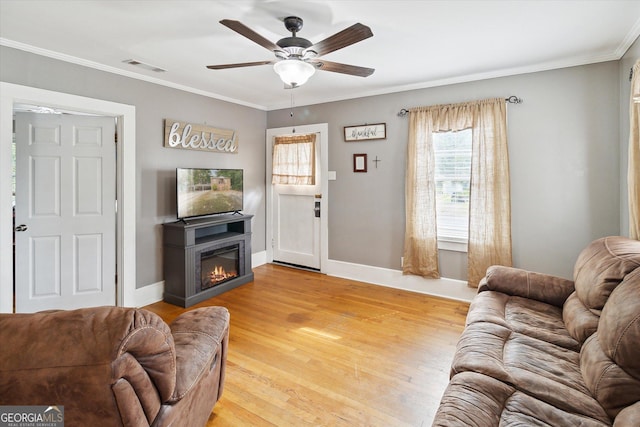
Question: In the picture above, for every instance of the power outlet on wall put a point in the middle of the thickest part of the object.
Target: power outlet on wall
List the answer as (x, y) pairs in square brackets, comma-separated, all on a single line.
[(401, 261)]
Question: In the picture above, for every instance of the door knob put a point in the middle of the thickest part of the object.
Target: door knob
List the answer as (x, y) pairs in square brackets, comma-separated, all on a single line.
[(316, 210), (21, 227)]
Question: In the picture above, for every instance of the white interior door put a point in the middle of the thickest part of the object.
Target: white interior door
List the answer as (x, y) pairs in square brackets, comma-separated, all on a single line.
[(65, 211), (296, 214)]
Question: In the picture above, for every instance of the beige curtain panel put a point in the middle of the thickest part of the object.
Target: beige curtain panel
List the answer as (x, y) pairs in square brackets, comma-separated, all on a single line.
[(490, 203), (294, 160), (420, 240), (633, 174), (490, 196)]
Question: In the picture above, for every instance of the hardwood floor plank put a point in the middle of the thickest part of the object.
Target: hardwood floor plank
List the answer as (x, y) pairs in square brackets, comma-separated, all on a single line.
[(309, 349)]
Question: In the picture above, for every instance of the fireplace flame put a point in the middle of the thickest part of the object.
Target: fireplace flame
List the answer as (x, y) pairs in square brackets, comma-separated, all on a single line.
[(220, 275)]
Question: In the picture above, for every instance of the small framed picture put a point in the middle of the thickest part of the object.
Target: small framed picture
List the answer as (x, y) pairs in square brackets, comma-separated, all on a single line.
[(359, 162), (365, 132)]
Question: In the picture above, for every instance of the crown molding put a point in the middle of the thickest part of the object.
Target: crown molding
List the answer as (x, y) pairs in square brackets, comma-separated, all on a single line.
[(109, 69)]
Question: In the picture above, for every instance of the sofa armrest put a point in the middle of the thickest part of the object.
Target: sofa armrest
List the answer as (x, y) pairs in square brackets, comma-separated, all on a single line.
[(201, 337), (628, 417), (517, 282)]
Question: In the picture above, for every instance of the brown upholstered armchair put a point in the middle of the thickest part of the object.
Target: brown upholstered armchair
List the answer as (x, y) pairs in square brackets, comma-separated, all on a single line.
[(113, 366)]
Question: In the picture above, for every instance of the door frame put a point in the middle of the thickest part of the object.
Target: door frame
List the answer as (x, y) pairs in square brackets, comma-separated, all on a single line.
[(11, 94), (323, 130)]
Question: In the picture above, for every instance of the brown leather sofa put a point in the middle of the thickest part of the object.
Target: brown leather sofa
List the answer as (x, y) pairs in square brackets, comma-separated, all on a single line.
[(540, 350), (113, 366)]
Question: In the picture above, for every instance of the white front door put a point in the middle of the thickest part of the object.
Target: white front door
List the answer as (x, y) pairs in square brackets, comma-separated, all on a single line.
[(296, 212), (65, 217)]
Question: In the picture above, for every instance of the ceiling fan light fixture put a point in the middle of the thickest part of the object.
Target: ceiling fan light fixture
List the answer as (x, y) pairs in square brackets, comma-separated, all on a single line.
[(294, 72)]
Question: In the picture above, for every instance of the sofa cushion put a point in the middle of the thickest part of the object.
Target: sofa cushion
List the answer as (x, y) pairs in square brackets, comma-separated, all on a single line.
[(527, 284), (628, 417), (528, 317), (548, 372), (476, 400), (579, 321), (610, 357), (601, 266)]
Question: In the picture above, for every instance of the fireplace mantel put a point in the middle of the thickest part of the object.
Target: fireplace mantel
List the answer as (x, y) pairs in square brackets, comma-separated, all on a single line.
[(184, 244)]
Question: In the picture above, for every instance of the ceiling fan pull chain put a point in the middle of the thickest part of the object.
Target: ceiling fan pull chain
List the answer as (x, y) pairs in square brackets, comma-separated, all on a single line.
[(293, 122)]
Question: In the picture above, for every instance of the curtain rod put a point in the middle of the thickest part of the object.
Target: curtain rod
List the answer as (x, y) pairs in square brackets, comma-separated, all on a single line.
[(511, 100)]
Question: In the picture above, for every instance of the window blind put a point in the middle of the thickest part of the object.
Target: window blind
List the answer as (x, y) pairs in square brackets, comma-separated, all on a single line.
[(452, 156)]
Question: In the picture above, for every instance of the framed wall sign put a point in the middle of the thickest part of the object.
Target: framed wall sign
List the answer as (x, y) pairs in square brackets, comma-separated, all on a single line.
[(359, 162), (365, 132), (191, 136)]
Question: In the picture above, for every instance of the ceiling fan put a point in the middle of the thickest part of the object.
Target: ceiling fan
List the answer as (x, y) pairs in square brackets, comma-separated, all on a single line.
[(297, 58)]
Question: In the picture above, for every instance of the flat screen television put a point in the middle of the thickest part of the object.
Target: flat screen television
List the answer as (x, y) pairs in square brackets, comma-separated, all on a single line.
[(202, 192)]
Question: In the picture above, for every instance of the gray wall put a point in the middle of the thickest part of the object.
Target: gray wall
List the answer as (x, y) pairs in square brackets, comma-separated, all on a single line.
[(564, 157), (626, 63), (155, 164), (566, 146)]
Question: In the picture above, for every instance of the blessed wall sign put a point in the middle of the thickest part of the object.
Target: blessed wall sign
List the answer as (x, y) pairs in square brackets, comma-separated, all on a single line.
[(191, 136)]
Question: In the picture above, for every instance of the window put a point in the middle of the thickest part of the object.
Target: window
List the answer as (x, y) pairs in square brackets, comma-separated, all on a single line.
[(294, 160), (452, 156)]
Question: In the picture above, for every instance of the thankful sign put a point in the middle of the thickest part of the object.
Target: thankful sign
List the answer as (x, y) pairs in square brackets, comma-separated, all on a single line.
[(191, 136)]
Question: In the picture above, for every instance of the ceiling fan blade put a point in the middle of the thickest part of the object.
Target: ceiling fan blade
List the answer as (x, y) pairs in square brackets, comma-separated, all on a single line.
[(241, 64), (243, 30), (353, 34), (337, 67)]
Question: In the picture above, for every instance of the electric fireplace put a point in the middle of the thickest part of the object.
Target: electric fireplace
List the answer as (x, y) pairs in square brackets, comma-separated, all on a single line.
[(219, 265), (205, 257)]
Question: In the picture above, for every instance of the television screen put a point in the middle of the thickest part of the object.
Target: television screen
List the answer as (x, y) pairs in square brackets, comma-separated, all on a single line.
[(201, 192)]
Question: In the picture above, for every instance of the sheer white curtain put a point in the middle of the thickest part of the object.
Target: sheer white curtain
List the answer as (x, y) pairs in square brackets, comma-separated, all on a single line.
[(633, 174), (294, 160), (490, 205)]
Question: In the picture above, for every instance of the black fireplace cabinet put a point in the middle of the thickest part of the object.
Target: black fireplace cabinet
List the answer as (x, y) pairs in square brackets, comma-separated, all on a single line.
[(189, 249)]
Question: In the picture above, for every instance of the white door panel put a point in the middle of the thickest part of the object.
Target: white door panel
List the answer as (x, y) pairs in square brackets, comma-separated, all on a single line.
[(65, 196), (297, 237), (44, 271)]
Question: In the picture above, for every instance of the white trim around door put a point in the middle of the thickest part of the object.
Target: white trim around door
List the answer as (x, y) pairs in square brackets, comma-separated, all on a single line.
[(323, 130), (126, 149)]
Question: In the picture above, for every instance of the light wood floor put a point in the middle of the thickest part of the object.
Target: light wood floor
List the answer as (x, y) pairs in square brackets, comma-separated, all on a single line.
[(309, 349)]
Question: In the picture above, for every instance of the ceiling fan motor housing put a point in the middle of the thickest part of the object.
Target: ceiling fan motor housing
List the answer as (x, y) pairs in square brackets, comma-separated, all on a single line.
[(294, 45), (293, 24), (294, 42)]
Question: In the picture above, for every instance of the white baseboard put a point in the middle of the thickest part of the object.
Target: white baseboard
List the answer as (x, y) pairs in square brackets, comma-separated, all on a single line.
[(149, 294), (258, 259), (446, 288)]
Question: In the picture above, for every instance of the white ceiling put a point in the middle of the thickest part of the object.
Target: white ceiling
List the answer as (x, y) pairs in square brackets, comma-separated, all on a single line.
[(416, 44)]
